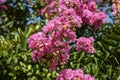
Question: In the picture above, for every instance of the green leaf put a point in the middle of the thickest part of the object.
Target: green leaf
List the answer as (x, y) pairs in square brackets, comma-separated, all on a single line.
[(118, 78), (81, 56), (113, 36), (29, 74), (95, 70), (29, 67), (21, 33), (29, 30), (109, 41)]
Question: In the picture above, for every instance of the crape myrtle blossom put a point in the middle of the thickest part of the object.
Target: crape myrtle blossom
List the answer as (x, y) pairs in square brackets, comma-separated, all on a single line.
[(69, 74), (54, 51), (85, 44), (39, 44), (2, 5), (60, 28), (1, 1), (116, 7), (51, 8), (86, 10), (52, 44)]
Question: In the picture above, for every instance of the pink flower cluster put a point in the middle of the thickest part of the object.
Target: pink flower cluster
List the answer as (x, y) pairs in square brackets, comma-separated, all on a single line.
[(86, 10), (2, 6), (54, 51), (116, 7), (69, 74), (52, 44), (85, 44), (1, 1)]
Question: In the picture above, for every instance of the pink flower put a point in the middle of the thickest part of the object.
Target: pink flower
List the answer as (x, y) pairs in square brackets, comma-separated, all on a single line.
[(37, 40), (62, 8), (85, 44), (1, 1), (4, 7), (53, 65), (88, 77), (39, 44), (52, 44), (98, 19), (116, 7), (51, 48), (65, 74), (78, 12), (92, 6), (69, 74)]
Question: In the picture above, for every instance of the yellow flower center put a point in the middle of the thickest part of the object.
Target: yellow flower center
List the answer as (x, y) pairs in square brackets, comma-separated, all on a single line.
[(78, 78), (64, 27), (118, 6)]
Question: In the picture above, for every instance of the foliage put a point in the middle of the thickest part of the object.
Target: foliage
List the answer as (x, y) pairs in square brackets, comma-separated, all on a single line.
[(15, 57)]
